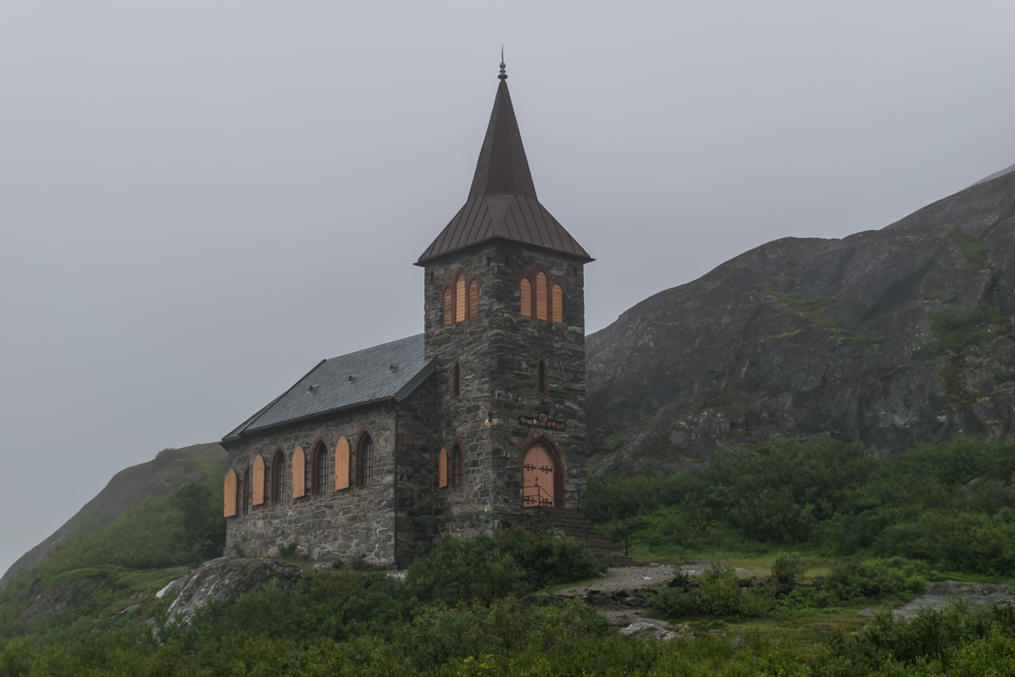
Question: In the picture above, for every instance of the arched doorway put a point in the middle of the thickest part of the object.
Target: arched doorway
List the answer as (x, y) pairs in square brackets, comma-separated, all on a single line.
[(541, 477)]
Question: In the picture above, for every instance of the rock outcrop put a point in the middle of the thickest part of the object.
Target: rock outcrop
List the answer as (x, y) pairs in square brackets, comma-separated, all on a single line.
[(222, 580), (884, 338)]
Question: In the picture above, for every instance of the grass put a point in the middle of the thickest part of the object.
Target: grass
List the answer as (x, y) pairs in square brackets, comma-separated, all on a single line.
[(808, 308)]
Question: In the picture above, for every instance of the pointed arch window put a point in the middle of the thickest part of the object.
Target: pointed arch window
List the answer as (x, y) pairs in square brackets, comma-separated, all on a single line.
[(457, 466), (319, 469), (365, 460), (557, 304), (541, 292), (525, 290), (278, 473)]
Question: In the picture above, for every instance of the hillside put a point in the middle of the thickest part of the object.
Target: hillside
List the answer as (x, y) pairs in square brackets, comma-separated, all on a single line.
[(883, 338), (129, 490)]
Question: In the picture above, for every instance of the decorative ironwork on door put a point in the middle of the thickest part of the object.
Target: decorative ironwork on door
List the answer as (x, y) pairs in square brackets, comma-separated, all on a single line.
[(538, 478)]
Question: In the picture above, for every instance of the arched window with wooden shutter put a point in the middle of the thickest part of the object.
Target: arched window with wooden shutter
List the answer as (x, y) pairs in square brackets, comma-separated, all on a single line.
[(229, 494), (474, 298), (460, 298), (257, 493), (448, 306), (557, 304), (525, 290), (342, 464), (442, 468), (299, 473), (541, 293), (278, 475)]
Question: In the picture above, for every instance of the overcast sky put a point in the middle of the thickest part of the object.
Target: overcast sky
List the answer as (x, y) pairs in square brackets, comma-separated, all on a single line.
[(200, 199)]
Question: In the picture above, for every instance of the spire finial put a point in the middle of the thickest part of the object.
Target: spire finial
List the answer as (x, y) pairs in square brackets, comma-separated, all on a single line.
[(503, 68)]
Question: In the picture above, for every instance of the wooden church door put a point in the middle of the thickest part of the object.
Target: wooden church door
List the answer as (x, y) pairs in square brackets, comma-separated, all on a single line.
[(538, 478)]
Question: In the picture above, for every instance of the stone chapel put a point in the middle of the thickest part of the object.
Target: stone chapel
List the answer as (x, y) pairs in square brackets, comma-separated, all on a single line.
[(476, 423)]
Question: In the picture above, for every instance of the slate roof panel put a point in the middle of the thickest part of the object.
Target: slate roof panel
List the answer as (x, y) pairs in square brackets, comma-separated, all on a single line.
[(373, 374), (502, 202)]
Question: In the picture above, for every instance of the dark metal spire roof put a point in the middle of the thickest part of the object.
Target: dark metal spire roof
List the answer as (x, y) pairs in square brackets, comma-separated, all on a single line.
[(502, 202)]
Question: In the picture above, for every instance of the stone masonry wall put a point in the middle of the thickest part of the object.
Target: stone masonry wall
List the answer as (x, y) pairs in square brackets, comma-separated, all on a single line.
[(416, 482), (351, 524), (498, 353)]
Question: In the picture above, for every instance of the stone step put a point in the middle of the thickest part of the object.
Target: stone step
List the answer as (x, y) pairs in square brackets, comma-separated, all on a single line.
[(576, 525)]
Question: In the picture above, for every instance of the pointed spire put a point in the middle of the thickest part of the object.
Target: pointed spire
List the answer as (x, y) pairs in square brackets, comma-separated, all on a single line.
[(502, 168), (502, 203)]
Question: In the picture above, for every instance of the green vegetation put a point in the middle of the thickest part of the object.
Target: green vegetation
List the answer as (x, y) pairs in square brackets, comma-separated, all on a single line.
[(950, 506), (974, 250), (808, 308), (956, 332), (873, 532)]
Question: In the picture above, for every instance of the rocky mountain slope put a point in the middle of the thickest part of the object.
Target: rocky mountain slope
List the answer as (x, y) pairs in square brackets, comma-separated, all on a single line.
[(884, 338), (129, 488)]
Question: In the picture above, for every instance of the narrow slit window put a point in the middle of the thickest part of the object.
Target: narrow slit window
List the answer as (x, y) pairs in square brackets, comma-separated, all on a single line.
[(442, 468), (457, 467), (456, 380), (541, 377)]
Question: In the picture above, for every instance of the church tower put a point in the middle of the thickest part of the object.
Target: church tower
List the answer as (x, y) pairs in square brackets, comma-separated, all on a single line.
[(505, 324)]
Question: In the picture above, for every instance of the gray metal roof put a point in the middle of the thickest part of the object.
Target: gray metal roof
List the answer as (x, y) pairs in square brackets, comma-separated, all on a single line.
[(385, 372), (502, 202)]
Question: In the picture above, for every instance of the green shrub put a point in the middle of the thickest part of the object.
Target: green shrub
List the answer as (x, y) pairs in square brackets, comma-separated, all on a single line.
[(510, 562), (787, 569), (716, 593)]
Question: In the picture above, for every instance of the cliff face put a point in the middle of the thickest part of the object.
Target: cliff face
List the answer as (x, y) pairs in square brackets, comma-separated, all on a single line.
[(884, 338)]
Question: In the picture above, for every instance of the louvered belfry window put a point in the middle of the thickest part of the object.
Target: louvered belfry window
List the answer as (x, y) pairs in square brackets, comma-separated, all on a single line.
[(525, 289), (449, 307), (557, 304), (541, 297), (474, 299), (460, 298)]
